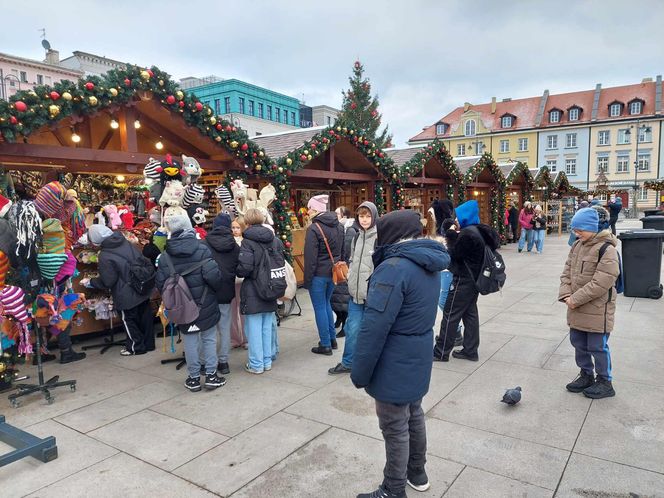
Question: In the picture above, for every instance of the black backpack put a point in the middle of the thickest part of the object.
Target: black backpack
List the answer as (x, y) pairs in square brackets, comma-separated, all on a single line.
[(142, 275), (270, 273), (492, 272)]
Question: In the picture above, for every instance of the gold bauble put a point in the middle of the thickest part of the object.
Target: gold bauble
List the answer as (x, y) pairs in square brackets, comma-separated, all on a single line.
[(209, 112), (213, 120), (306, 152), (113, 92), (217, 138), (179, 95), (282, 187), (3, 367), (309, 157), (289, 161), (281, 170), (145, 75), (288, 227), (338, 128), (66, 96), (258, 167), (161, 82), (93, 100), (234, 144), (53, 110), (261, 153)]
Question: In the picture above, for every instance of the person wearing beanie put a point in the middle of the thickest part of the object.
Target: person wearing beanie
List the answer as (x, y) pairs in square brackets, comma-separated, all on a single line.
[(466, 243), (116, 259), (360, 254), (323, 232), (587, 287), (182, 253), (392, 358), (225, 252)]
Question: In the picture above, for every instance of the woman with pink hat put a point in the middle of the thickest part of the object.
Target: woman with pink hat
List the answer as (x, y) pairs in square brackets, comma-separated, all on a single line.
[(323, 246)]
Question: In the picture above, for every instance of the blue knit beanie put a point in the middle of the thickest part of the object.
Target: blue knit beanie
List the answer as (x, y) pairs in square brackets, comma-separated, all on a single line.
[(222, 220), (586, 219)]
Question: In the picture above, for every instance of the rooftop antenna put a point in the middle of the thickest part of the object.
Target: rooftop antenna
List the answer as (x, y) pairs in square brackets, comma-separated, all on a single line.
[(44, 43)]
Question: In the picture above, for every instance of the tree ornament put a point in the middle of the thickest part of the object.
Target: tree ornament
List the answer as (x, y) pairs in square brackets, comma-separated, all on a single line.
[(309, 157), (150, 73), (234, 144), (217, 138), (198, 106), (13, 120), (89, 86), (261, 153), (170, 99), (127, 82), (113, 92), (209, 112), (145, 75), (161, 82), (181, 104), (244, 147), (339, 128), (280, 169), (282, 187), (353, 105), (53, 110), (258, 167), (66, 96), (287, 244), (54, 95), (303, 157), (93, 100), (284, 236), (228, 128), (20, 106), (219, 127), (374, 113), (179, 95), (289, 161), (213, 120), (284, 203)]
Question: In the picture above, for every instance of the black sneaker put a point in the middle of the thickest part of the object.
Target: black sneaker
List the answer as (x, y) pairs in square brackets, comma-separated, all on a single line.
[(462, 355), (381, 492), (418, 480), (442, 357), (582, 382), (339, 369), (213, 381), (322, 350), (193, 384), (520, 250), (334, 344), (341, 333), (223, 368), (71, 356), (602, 388)]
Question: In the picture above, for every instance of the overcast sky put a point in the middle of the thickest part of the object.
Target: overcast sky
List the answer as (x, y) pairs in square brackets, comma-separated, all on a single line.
[(424, 57)]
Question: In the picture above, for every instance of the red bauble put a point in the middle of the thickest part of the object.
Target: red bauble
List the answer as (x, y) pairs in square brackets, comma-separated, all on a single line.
[(325, 140), (20, 106), (366, 142), (233, 128), (287, 244), (374, 113), (244, 146), (219, 127), (199, 106), (228, 128), (380, 154), (281, 218), (181, 104), (89, 86), (54, 95), (355, 138), (149, 71), (13, 120), (398, 191), (303, 157), (289, 172), (353, 105), (127, 82), (170, 99), (274, 167), (284, 203)]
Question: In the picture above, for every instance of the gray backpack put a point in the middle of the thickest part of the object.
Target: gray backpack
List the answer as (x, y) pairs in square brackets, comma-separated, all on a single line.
[(181, 309)]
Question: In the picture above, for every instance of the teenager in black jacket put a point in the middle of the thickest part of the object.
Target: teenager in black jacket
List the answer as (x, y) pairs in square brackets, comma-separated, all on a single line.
[(318, 268), (115, 258), (183, 250), (225, 252)]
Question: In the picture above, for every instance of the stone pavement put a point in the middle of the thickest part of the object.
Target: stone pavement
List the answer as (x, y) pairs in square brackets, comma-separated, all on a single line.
[(131, 429)]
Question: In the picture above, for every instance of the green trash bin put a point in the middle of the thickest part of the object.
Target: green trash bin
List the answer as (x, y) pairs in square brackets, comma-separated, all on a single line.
[(642, 262)]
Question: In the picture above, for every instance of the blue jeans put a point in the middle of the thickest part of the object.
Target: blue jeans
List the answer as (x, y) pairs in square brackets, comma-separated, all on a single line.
[(538, 239), (589, 346), (224, 333), (199, 344), (275, 337), (352, 328), (445, 282), (258, 329), (321, 292), (526, 236)]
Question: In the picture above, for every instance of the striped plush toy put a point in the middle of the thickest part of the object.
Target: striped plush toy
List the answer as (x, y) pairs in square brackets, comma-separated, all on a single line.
[(226, 200), (193, 194)]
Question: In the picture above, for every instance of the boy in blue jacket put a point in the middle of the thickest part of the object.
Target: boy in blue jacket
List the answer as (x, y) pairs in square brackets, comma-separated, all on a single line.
[(392, 358)]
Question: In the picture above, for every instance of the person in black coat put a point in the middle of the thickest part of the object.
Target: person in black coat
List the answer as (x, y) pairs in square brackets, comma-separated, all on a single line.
[(466, 249), (513, 218), (318, 265), (258, 313), (392, 358), (184, 252), (615, 206), (115, 258), (225, 252), (341, 296)]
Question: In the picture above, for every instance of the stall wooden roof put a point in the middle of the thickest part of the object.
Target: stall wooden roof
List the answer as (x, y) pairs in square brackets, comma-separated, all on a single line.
[(279, 144), (402, 156)]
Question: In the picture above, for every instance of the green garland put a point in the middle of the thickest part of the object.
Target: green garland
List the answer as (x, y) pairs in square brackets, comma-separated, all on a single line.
[(497, 191), (435, 149), (522, 168), (379, 195), (657, 185)]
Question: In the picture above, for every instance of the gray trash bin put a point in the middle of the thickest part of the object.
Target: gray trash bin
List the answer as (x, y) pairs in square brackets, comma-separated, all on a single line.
[(642, 262), (653, 212), (655, 222)]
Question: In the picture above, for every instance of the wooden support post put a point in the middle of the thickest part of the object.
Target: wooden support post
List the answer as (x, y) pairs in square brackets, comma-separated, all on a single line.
[(330, 159), (128, 139)]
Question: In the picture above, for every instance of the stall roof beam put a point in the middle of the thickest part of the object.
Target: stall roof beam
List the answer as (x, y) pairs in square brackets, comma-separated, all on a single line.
[(337, 175), (171, 137)]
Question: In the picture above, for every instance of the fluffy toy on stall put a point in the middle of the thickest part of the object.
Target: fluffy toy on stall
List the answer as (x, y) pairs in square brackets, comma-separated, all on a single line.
[(225, 199), (173, 194), (240, 196), (248, 198), (114, 220), (191, 170), (193, 195), (169, 170), (199, 218), (127, 216), (151, 178)]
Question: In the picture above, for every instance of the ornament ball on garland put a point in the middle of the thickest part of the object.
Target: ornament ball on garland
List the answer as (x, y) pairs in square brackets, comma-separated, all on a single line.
[(199, 106), (170, 99), (89, 86), (21, 106)]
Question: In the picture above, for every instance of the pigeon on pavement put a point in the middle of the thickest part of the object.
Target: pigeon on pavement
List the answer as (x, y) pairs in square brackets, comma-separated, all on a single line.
[(512, 396)]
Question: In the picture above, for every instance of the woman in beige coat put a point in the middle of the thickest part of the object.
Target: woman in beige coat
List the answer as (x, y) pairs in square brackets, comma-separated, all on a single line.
[(587, 286)]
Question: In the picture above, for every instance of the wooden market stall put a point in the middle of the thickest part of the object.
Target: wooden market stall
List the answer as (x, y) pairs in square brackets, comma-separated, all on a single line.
[(484, 182), (519, 182), (110, 127), (561, 205)]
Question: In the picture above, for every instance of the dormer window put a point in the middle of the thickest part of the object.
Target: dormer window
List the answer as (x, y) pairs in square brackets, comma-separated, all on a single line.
[(615, 109), (469, 128), (507, 121), (636, 106), (554, 116), (441, 128), (573, 113)]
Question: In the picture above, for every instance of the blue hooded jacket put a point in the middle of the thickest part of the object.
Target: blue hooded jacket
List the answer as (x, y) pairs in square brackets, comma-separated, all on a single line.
[(392, 357), (468, 214)]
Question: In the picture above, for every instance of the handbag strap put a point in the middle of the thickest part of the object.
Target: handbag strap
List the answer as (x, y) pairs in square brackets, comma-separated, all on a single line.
[(326, 244)]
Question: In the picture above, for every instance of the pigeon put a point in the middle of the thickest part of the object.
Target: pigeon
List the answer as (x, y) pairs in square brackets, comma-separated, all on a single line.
[(512, 396)]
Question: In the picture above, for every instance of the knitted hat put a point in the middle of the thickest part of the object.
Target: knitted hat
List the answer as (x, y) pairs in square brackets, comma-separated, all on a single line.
[(53, 237), (193, 194), (50, 200), (97, 234), (586, 219), (5, 204), (50, 264), (67, 269), (319, 202), (398, 225), (468, 213), (222, 220), (178, 223), (225, 199), (26, 222), (150, 170), (583, 204), (11, 299)]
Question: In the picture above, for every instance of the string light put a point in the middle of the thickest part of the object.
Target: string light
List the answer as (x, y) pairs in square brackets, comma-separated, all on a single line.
[(121, 178), (114, 124), (75, 137), (159, 145), (137, 124)]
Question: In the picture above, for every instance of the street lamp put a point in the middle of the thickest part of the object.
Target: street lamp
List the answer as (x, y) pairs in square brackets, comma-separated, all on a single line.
[(645, 129), (479, 147), (9, 77)]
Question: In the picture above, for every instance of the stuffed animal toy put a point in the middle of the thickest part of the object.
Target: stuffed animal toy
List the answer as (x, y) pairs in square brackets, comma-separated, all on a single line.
[(199, 218), (173, 194), (152, 178), (191, 170), (114, 220), (225, 200), (127, 216), (100, 216), (193, 194), (239, 190), (154, 215), (169, 170)]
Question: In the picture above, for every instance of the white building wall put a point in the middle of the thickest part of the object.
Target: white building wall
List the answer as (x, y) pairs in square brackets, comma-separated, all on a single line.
[(256, 126)]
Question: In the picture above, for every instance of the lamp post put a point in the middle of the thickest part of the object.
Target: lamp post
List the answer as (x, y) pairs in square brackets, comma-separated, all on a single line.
[(645, 129), (9, 77), (477, 146)]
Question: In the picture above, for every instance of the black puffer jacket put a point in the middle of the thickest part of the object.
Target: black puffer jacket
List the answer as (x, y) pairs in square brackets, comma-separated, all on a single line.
[(467, 247), (255, 239), (185, 250), (317, 262), (115, 258), (225, 252)]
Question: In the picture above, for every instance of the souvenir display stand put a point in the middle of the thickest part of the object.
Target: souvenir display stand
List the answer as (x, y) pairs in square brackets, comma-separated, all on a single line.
[(25, 444)]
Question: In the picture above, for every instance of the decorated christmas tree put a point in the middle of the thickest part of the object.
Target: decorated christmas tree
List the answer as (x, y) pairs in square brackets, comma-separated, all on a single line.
[(359, 109)]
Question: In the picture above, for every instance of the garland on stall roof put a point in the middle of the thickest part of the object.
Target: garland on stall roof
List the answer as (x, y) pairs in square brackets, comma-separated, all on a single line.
[(497, 191), (657, 185), (543, 178), (562, 185), (379, 195), (522, 168), (437, 150)]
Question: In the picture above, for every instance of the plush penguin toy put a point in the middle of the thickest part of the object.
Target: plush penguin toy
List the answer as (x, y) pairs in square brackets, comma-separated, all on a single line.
[(169, 170)]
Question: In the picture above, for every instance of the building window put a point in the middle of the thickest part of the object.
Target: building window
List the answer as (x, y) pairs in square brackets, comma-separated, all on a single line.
[(643, 194), (645, 134), (615, 110), (554, 117), (571, 140), (251, 108), (570, 166), (635, 107), (292, 117), (573, 114), (440, 129), (552, 141), (644, 162), (461, 149), (277, 114), (260, 110), (552, 164), (48, 80), (24, 77), (623, 164), (623, 136), (603, 164), (470, 128), (523, 144), (329, 120), (603, 137), (506, 122), (40, 79), (227, 105), (242, 105), (269, 112), (217, 106), (504, 146)]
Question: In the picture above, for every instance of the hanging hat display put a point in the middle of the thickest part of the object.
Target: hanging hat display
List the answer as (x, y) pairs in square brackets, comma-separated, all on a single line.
[(53, 237), (27, 225), (12, 304), (5, 204), (193, 194), (50, 200), (4, 268)]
